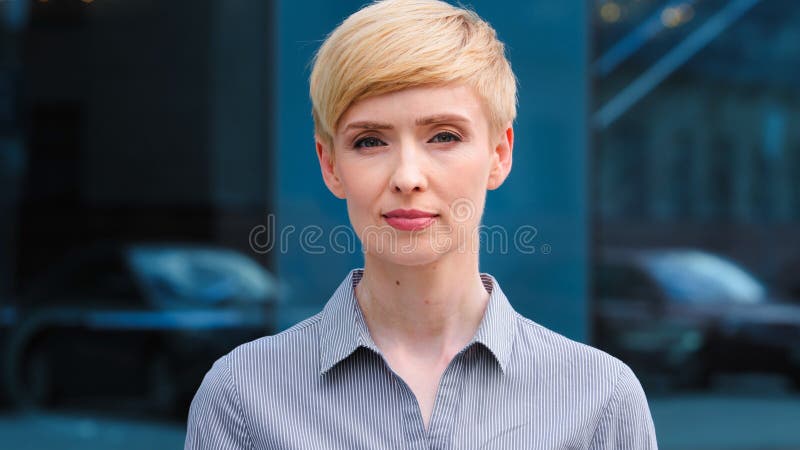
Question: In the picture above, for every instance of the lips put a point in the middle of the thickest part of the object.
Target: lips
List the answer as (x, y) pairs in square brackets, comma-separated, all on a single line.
[(409, 213), (409, 219)]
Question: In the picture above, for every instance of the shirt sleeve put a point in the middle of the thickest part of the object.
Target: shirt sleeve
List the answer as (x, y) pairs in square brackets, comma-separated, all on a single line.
[(215, 419), (626, 423)]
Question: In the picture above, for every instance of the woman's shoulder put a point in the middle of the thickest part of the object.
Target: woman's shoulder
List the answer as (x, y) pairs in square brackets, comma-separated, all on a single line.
[(556, 355), (602, 386), (267, 358), (241, 380), (300, 335)]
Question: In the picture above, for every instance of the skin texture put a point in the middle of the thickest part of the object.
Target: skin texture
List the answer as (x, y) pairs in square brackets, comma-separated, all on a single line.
[(431, 149)]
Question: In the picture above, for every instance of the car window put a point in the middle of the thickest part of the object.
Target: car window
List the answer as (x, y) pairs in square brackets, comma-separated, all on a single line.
[(200, 275), (695, 277)]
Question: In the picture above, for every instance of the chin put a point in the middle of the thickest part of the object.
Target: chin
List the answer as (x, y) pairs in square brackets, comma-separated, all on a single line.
[(410, 260), (407, 254), (422, 247)]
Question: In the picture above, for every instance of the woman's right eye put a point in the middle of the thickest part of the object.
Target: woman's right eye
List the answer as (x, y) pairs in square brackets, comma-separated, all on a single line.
[(370, 141)]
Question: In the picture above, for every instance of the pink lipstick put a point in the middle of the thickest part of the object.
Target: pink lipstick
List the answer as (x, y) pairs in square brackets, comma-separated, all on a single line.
[(409, 219)]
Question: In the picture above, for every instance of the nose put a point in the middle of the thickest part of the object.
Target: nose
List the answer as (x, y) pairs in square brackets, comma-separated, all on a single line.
[(408, 175)]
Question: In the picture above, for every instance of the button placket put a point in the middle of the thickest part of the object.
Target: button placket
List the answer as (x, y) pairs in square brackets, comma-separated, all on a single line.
[(448, 400), (411, 417)]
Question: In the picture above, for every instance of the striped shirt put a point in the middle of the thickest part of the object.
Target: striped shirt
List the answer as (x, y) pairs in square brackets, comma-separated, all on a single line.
[(324, 384)]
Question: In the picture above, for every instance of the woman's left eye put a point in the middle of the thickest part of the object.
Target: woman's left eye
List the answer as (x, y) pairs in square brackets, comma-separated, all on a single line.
[(444, 137)]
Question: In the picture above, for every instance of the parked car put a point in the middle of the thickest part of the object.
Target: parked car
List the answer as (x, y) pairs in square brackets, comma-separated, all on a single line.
[(142, 321), (690, 315)]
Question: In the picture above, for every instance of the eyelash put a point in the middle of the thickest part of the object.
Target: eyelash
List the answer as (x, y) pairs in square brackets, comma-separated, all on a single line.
[(447, 134), (360, 143)]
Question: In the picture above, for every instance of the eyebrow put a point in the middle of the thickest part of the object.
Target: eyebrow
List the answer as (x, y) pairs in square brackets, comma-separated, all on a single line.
[(368, 125), (422, 121), (440, 118)]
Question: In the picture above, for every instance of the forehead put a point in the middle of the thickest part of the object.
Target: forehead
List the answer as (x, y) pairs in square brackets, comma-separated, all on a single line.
[(413, 105)]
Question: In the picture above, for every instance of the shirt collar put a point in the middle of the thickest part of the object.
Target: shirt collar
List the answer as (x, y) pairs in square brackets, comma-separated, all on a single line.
[(343, 328)]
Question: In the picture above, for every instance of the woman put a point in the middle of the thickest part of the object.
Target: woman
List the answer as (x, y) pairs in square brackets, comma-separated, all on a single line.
[(413, 105)]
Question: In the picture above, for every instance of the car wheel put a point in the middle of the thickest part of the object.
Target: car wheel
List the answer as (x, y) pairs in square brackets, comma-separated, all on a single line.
[(34, 386), (162, 387)]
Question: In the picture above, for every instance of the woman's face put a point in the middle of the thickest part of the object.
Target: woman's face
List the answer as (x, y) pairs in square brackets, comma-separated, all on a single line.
[(427, 149)]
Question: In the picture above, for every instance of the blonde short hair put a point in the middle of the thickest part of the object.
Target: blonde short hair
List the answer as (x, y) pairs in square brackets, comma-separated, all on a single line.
[(392, 45)]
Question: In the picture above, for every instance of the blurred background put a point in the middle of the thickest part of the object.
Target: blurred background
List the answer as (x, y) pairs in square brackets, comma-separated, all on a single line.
[(160, 203)]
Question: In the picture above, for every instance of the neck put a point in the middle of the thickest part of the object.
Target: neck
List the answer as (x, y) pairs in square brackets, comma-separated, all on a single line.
[(430, 310)]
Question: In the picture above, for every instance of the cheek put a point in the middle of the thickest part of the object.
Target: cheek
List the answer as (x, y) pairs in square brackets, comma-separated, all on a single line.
[(362, 191), (465, 175), (462, 186), (351, 173)]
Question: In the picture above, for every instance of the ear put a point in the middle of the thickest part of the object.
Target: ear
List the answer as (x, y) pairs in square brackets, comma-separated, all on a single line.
[(326, 164), (501, 158)]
